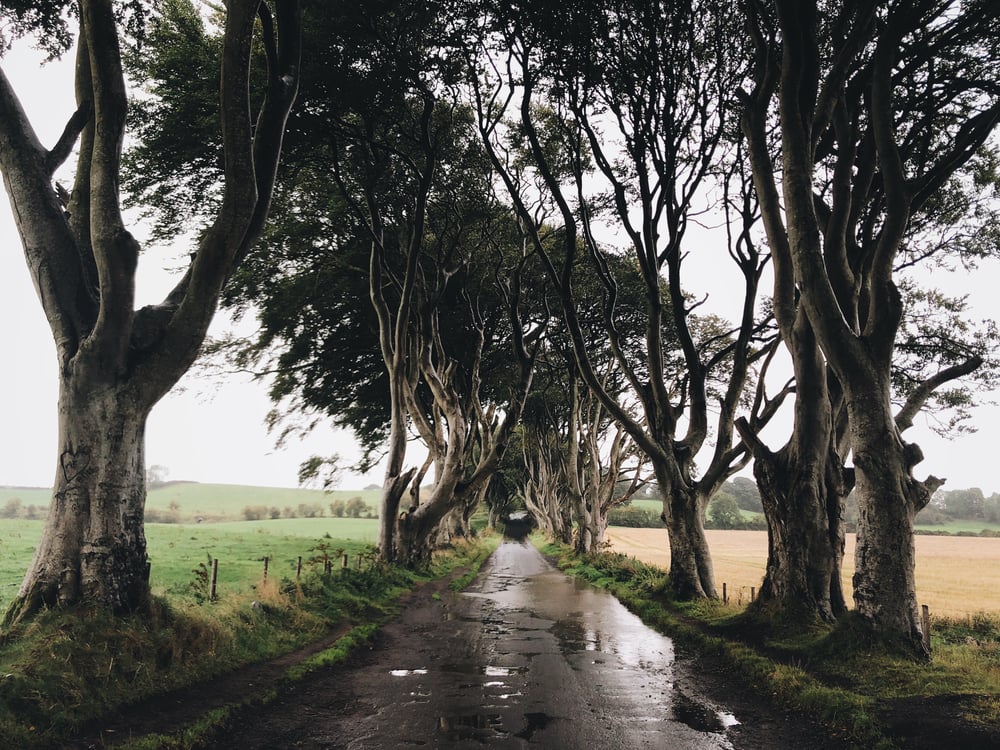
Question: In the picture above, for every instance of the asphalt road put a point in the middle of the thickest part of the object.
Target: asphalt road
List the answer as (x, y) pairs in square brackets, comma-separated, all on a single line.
[(525, 657)]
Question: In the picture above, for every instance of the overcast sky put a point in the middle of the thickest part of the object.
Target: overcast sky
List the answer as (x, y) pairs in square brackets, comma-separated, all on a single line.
[(200, 432), (216, 434)]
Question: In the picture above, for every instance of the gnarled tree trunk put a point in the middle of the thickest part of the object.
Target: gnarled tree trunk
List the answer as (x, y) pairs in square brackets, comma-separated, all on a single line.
[(116, 362), (692, 575), (94, 547), (803, 503), (803, 489), (888, 500)]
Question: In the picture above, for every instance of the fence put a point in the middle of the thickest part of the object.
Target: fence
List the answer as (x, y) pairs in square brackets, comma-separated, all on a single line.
[(209, 575)]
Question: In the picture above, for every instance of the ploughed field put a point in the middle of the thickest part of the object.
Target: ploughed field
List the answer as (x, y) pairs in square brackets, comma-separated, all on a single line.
[(956, 576)]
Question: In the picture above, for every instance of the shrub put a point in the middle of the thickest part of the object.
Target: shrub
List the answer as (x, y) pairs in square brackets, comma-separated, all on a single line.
[(355, 507), (310, 510), (256, 512), (636, 518)]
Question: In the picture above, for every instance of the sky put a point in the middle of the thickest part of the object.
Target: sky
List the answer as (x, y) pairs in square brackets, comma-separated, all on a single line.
[(204, 431), (211, 431)]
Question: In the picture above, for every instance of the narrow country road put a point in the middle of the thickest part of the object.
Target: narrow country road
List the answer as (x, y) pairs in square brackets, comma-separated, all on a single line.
[(526, 656)]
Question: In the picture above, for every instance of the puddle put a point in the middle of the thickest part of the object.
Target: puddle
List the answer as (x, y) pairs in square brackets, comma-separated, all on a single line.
[(491, 671), (574, 637), (483, 727), (533, 723), (479, 727), (406, 672), (701, 717)]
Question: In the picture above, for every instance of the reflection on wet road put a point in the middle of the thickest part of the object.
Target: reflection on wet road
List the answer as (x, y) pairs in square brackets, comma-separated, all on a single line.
[(537, 658)]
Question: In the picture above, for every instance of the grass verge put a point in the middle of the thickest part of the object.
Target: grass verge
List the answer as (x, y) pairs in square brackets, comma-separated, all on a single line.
[(66, 668), (832, 673)]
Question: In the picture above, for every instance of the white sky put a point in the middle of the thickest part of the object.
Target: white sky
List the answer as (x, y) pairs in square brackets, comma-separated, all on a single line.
[(200, 432), (216, 434)]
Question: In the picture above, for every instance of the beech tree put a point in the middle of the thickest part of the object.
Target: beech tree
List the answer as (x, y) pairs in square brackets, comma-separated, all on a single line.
[(393, 270), (580, 463), (116, 362), (878, 106), (636, 97)]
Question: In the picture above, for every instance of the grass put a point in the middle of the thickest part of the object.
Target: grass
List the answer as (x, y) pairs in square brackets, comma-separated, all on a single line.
[(177, 550), (656, 506), (833, 673), (64, 668), (959, 526), (213, 502)]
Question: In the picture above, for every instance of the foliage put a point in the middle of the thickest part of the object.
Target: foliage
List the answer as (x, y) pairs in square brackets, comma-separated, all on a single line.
[(724, 513), (635, 517), (746, 493)]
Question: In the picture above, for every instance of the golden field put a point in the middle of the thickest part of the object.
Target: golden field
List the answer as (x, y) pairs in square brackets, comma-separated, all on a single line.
[(956, 576)]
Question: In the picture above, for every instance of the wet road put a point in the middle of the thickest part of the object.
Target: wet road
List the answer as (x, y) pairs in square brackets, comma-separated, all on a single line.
[(526, 656)]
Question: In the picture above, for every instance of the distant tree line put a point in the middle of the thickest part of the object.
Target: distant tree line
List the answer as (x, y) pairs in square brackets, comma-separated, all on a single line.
[(966, 505), (353, 507)]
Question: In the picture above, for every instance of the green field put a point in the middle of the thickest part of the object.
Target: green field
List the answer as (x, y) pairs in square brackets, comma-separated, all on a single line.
[(656, 506), (176, 550), (214, 502), (959, 526), (952, 527)]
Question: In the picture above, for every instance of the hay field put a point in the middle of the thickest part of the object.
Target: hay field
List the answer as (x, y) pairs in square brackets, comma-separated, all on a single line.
[(956, 576)]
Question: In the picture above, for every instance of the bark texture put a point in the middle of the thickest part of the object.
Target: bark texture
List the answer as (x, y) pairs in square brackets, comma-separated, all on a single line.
[(856, 167), (116, 362)]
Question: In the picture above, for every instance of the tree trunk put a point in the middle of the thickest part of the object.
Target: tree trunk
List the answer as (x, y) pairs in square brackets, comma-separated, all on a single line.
[(803, 503), (888, 499), (116, 362), (93, 547), (803, 490), (691, 573)]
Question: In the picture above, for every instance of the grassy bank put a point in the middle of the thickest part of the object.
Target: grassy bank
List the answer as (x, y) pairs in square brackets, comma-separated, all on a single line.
[(65, 668), (833, 674)]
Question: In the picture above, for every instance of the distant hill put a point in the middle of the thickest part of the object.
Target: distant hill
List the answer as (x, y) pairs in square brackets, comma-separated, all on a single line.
[(213, 502)]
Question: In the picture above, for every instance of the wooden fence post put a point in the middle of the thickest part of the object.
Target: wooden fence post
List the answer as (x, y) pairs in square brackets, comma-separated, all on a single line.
[(266, 560), (215, 578), (298, 569), (344, 563), (753, 593), (725, 596), (925, 622)]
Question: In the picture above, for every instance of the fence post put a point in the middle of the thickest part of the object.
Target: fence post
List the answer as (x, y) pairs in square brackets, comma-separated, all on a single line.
[(753, 593), (215, 578), (925, 622), (266, 560), (725, 596), (298, 569), (344, 563), (359, 561)]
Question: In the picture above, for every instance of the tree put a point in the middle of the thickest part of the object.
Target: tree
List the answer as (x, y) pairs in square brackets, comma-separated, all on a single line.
[(636, 96), (156, 475), (116, 362), (877, 106), (746, 494), (724, 513), (587, 462)]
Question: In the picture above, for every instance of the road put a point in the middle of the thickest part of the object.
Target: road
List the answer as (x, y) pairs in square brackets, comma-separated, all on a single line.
[(525, 657)]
